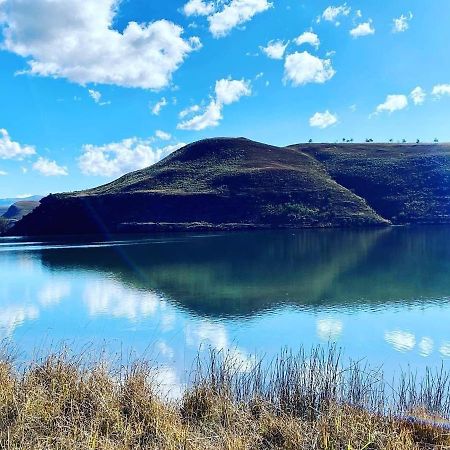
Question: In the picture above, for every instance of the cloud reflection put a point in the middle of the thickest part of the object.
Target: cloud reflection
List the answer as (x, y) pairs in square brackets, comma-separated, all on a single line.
[(402, 341), (112, 298)]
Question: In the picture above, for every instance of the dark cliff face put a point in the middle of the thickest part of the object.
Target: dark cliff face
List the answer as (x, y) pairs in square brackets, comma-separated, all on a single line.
[(238, 183)]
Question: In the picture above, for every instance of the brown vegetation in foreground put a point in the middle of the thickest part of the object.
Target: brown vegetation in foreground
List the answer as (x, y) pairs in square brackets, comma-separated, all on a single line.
[(302, 401)]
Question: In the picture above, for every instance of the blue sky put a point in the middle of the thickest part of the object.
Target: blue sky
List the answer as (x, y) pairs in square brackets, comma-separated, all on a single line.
[(80, 81)]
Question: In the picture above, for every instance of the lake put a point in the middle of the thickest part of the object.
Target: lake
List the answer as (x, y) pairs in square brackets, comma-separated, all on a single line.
[(380, 294)]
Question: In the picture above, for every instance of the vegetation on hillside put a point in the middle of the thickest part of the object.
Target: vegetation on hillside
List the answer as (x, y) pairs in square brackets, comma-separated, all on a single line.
[(304, 400), (403, 183)]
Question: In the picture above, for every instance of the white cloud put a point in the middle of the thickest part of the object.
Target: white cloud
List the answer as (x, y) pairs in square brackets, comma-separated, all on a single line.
[(77, 41), (198, 8), (308, 37), (418, 95), (401, 24), (13, 150), (49, 168), (117, 158), (156, 109), (323, 120), (393, 103), (439, 90), (230, 91), (363, 29), (332, 13), (275, 49), (163, 135), (303, 68), (235, 13), (211, 117), (227, 91), (97, 97), (402, 341), (3, 173), (192, 109)]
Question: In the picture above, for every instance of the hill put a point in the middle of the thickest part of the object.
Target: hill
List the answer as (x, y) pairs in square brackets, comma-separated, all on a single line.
[(16, 212), (227, 183), (211, 184), (403, 183)]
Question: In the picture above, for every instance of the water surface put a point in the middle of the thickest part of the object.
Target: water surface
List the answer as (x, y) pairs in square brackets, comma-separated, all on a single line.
[(381, 294)]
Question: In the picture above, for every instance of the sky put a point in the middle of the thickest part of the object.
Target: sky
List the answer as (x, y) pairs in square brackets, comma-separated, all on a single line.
[(92, 89)]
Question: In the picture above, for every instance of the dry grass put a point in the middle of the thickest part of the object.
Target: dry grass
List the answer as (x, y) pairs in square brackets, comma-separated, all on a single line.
[(301, 401)]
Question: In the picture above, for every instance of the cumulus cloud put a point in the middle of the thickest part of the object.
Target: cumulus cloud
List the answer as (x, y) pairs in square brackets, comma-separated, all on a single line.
[(198, 8), (227, 91), (332, 13), (308, 37), (211, 117), (418, 95), (393, 103), (156, 109), (3, 173), (363, 29), (235, 13), (275, 49), (441, 89), (49, 168), (13, 150), (76, 40), (163, 135), (401, 24), (187, 111), (230, 91), (303, 68), (117, 158), (323, 120)]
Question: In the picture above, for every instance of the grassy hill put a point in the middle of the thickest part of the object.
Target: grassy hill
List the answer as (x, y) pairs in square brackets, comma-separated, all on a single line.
[(211, 184), (227, 183), (404, 183)]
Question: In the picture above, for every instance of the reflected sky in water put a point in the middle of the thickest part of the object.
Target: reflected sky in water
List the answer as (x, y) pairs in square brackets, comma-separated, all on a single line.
[(381, 294)]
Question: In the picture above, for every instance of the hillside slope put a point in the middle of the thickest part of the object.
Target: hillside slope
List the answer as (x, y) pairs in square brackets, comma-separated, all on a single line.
[(404, 183), (212, 184)]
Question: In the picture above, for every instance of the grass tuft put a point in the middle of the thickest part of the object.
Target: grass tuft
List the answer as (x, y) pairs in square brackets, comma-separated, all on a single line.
[(306, 400)]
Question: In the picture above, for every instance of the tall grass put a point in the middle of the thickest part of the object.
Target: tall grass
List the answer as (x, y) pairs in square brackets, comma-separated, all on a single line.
[(304, 400)]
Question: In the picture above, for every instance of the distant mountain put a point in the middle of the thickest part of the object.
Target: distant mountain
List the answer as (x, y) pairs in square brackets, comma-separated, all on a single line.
[(7, 202), (224, 183), (16, 212)]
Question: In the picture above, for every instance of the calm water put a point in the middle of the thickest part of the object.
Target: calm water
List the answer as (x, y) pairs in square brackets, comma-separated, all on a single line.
[(381, 294)]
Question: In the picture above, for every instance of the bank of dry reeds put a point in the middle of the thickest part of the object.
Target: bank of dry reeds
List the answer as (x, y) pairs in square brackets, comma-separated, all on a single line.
[(297, 401)]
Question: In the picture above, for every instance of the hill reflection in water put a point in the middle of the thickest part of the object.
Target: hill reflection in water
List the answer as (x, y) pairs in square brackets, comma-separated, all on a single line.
[(245, 274)]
